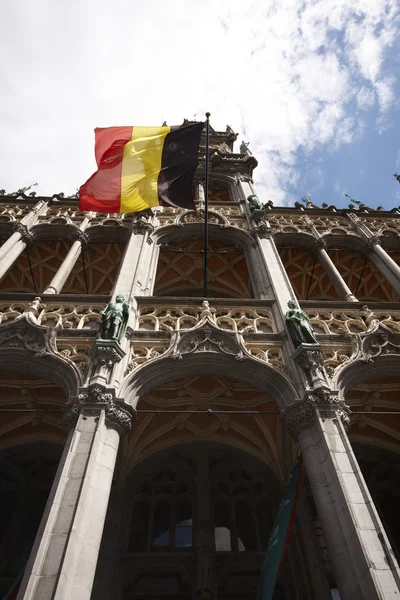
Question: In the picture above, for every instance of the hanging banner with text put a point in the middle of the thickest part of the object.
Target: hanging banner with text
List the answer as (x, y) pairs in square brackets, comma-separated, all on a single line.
[(279, 537)]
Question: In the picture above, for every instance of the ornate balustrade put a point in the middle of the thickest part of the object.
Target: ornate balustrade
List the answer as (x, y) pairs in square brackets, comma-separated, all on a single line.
[(62, 315), (336, 322), (156, 316), (13, 212)]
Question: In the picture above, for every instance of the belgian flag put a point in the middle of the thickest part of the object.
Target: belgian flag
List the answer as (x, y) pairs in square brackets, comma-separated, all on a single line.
[(142, 167)]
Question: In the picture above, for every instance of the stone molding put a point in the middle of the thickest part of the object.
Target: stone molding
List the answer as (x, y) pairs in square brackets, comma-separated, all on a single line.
[(321, 403), (26, 236), (92, 400)]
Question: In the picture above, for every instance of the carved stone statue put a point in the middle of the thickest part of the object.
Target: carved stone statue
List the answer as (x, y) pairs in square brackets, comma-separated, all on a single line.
[(244, 148), (299, 326), (256, 207), (114, 319)]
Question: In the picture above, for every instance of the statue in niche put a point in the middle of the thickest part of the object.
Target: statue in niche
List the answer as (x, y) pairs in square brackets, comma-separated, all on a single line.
[(256, 208), (114, 319), (299, 326)]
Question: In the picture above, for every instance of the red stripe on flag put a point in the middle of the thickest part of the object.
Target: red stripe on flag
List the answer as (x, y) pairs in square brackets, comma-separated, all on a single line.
[(102, 191)]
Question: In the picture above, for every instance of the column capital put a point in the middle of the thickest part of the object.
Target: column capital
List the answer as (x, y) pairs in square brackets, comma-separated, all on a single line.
[(92, 400), (321, 403), (26, 236), (82, 237), (371, 242), (319, 244)]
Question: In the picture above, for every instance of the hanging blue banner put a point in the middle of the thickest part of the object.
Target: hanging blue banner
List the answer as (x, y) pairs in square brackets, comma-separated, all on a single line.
[(279, 537)]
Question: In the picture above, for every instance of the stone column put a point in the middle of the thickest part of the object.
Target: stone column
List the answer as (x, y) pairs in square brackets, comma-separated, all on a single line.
[(320, 253), (361, 556), (68, 264), (137, 274), (21, 237), (383, 262), (266, 266), (375, 253), (64, 557)]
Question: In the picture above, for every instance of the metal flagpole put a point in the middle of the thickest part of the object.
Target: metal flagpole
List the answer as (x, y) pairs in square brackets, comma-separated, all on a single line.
[(205, 263)]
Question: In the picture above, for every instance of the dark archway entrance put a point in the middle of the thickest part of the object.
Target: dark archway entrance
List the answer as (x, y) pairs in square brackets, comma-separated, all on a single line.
[(26, 476), (197, 523)]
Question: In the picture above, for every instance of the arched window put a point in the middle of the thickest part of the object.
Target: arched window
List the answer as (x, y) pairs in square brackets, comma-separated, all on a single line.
[(162, 515)]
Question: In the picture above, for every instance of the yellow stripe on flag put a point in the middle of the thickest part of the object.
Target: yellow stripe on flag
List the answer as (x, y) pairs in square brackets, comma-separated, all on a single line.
[(141, 165)]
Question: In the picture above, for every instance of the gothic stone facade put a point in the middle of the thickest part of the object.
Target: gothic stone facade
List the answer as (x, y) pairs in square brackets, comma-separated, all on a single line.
[(153, 468)]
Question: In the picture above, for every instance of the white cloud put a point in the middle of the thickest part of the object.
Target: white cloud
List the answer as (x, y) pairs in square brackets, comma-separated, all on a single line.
[(365, 98), (285, 73)]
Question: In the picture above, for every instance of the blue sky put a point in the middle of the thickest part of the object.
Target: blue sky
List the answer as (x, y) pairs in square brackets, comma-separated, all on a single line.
[(313, 86)]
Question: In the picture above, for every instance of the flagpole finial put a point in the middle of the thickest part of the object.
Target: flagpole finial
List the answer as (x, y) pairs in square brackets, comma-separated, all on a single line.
[(208, 115)]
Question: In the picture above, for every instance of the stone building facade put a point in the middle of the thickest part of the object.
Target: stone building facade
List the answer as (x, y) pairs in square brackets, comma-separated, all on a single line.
[(152, 467)]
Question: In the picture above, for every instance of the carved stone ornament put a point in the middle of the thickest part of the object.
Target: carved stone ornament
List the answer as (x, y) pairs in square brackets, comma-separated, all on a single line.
[(323, 403), (311, 359), (94, 399), (198, 216), (25, 334), (106, 352), (26, 236), (379, 340), (141, 223), (207, 337), (263, 230)]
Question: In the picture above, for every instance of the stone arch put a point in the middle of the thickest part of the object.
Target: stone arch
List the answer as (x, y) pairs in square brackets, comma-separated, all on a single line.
[(376, 354), (26, 347)]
